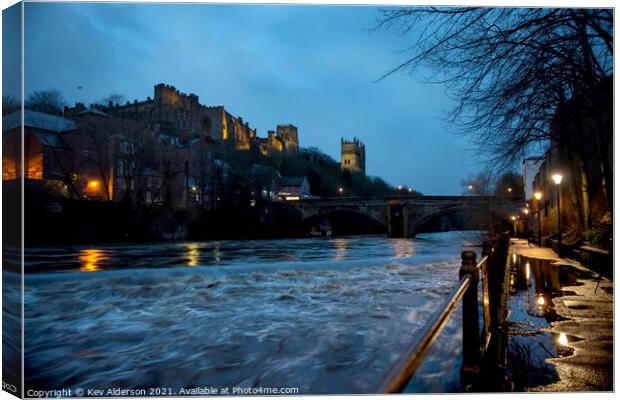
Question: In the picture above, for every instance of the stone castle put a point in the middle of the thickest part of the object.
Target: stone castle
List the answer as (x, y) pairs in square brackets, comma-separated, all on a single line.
[(177, 114), (353, 155)]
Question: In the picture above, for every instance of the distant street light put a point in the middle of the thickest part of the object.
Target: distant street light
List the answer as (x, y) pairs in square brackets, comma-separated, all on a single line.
[(470, 187), (340, 190), (410, 190), (526, 211), (400, 187), (538, 196), (509, 190), (557, 179)]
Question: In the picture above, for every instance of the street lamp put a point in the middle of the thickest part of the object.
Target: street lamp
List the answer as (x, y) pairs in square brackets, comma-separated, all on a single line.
[(340, 190), (509, 190), (557, 179), (514, 224), (526, 211), (538, 196)]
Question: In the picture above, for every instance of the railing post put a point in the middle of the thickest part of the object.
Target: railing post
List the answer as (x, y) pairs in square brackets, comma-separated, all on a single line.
[(471, 330)]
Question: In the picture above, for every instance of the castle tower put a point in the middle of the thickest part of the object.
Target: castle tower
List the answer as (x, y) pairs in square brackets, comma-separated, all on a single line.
[(353, 155), (288, 133)]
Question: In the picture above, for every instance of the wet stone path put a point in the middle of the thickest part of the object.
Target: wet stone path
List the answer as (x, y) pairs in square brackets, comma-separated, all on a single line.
[(560, 323)]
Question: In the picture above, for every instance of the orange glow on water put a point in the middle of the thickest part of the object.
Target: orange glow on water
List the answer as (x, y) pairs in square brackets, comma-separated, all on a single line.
[(91, 259), (193, 255)]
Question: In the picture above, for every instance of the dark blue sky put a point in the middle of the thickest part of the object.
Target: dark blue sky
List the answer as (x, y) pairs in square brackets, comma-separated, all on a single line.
[(313, 66)]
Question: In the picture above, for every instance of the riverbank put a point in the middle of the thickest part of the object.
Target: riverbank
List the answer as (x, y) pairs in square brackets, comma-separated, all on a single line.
[(560, 324)]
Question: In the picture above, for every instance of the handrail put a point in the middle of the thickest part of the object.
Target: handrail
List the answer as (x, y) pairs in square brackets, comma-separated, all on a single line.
[(396, 380), (482, 263)]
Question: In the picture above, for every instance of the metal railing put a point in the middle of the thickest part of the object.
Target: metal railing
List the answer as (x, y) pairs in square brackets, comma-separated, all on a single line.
[(475, 345)]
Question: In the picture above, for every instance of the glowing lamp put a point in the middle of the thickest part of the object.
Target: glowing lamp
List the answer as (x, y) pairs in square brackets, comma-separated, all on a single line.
[(557, 178), (537, 195), (93, 184), (541, 301)]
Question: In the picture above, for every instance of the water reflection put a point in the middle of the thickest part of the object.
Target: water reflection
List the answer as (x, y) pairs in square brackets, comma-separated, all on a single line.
[(562, 339), (193, 255), (542, 281), (91, 259), (217, 254), (403, 248), (342, 248)]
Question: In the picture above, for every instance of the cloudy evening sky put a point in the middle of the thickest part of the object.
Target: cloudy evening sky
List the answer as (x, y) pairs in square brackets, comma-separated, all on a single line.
[(313, 66)]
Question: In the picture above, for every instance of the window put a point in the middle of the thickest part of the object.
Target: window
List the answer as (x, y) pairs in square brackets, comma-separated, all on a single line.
[(127, 148), (121, 168), (120, 184)]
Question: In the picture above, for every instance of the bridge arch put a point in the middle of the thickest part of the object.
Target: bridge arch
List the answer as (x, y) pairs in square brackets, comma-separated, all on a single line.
[(416, 224), (343, 219)]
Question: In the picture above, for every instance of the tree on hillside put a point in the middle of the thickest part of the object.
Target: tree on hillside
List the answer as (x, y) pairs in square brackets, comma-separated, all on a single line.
[(480, 184), (509, 183), (46, 101), (114, 99), (511, 69), (9, 104)]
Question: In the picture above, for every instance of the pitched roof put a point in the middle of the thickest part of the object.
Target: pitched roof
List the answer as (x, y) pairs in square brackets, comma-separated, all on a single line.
[(50, 139), (92, 110), (34, 119)]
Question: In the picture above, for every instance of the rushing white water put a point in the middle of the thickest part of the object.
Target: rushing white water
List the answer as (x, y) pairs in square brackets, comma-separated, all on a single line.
[(324, 316)]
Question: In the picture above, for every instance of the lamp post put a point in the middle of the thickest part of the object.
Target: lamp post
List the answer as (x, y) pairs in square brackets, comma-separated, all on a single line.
[(557, 179), (538, 196), (526, 211), (514, 225)]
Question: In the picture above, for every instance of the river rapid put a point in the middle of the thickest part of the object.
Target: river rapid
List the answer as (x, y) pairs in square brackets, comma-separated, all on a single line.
[(319, 315)]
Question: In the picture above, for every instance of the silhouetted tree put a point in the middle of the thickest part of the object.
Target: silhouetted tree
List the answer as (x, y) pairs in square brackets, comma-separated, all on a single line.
[(509, 183), (480, 184), (46, 101), (114, 98), (9, 104), (511, 69)]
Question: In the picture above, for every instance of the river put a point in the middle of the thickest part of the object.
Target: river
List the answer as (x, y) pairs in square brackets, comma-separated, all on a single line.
[(319, 315)]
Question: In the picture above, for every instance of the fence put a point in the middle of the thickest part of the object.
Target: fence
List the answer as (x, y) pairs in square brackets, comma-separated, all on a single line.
[(483, 348)]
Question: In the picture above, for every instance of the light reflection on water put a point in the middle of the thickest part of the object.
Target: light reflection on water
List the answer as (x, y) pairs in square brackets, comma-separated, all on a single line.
[(91, 259), (193, 255), (248, 313), (341, 248), (403, 248)]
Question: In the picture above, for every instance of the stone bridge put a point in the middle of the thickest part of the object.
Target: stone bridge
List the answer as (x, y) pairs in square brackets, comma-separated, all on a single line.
[(403, 216)]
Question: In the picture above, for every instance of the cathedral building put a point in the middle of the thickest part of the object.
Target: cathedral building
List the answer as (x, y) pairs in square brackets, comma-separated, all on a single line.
[(353, 156)]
